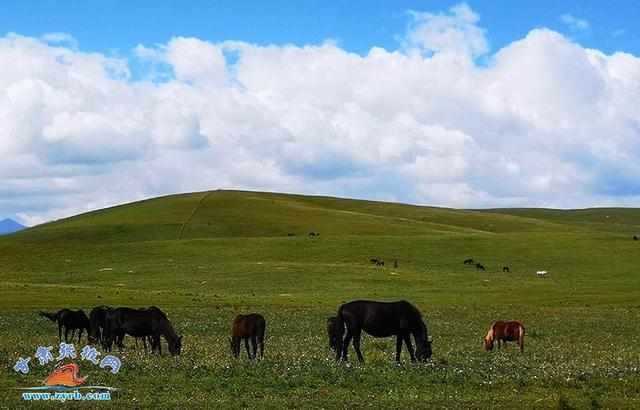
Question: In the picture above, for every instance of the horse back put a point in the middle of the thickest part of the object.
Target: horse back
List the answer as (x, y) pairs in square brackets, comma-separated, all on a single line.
[(252, 324), (507, 330), (381, 319)]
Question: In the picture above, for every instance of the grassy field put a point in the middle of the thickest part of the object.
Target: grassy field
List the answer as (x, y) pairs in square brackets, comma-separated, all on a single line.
[(205, 257)]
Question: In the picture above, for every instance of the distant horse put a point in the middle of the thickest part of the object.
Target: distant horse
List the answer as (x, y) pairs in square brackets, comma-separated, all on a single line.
[(468, 261), (505, 269), (70, 320), (382, 319), (373, 260), (480, 266), (97, 318), (380, 262), (145, 323), (635, 237), (504, 332), (251, 326), (314, 234), (334, 333)]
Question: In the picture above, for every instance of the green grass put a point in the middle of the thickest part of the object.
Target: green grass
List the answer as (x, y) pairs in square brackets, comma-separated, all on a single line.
[(204, 257)]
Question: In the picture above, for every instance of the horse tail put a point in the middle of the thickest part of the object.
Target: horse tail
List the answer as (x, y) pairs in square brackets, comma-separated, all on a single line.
[(51, 316)]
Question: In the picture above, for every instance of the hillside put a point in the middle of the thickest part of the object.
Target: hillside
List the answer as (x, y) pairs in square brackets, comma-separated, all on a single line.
[(216, 214)]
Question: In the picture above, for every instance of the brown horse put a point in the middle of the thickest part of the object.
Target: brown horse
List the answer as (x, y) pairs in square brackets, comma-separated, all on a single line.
[(504, 332), (251, 326)]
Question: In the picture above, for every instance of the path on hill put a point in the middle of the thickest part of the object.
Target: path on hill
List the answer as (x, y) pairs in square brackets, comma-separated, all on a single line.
[(195, 209)]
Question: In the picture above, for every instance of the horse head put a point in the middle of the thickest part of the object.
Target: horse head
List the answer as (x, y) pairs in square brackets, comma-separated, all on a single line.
[(175, 346), (234, 344), (423, 344), (488, 343)]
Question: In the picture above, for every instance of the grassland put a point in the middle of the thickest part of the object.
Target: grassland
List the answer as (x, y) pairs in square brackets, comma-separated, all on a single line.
[(204, 257)]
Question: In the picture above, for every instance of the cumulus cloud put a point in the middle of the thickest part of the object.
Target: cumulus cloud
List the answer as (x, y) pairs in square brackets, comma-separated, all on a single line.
[(541, 122)]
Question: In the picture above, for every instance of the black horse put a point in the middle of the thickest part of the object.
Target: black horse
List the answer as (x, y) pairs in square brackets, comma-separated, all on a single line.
[(468, 261), (70, 320), (382, 319), (144, 323), (505, 269), (480, 266), (97, 318)]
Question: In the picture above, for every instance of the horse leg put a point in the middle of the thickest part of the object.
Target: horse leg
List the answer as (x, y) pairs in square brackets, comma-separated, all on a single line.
[(66, 335), (356, 344), (407, 341), (246, 346), (79, 335), (345, 346), (398, 347), (254, 345)]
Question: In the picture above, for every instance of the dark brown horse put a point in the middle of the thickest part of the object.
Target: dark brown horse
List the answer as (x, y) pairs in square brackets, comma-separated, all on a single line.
[(69, 320), (382, 319), (504, 332), (97, 319), (248, 327)]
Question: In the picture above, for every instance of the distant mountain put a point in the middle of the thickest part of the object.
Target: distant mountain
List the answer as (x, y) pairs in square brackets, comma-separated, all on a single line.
[(10, 226)]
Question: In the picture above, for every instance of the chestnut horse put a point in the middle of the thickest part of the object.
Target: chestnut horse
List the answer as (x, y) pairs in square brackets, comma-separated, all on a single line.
[(251, 326), (504, 332)]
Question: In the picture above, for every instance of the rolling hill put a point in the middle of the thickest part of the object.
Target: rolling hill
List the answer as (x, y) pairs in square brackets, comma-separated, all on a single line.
[(220, 214)]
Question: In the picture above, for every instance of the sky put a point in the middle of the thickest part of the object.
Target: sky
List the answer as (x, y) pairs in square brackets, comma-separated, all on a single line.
[(468, 105)]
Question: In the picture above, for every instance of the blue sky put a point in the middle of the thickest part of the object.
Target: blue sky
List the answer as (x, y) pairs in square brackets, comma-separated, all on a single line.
[(118, 26), (461, 104)]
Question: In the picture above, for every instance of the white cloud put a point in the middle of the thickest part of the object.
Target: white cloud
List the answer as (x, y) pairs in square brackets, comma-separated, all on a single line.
[(575, 23), (544, 122), (455, 32)]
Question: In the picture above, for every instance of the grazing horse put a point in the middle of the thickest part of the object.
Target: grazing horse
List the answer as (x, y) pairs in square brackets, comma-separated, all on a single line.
[(468, 261), (70, 320), (97, 318), (382, 319), (145, 323), (504, 332), (505, 269), (480, 266), (251, 326)]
